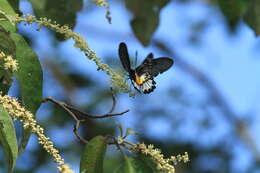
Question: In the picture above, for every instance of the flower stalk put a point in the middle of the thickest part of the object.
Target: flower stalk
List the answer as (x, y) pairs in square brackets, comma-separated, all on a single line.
[(117, 81), (17, 112)]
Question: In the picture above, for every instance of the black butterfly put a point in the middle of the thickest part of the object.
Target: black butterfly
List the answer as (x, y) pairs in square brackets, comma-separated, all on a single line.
[(142, 76)]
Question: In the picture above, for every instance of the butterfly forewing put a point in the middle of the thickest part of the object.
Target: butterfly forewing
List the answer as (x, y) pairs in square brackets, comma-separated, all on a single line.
[(124, 57)]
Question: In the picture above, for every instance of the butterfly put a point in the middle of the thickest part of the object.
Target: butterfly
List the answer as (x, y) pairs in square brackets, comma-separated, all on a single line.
[(142, 77)]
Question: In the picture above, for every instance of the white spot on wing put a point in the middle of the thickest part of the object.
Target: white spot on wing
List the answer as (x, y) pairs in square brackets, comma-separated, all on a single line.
[(147, 85)]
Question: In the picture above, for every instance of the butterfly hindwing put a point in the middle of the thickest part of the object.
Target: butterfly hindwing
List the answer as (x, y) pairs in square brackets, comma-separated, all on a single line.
[(154, 66)]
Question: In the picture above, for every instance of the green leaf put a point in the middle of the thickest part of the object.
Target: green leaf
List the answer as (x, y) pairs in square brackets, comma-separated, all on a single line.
[(144, 27), (120, 127), (148, 161), (9, 11), (134, 165), (233, 10), (24, 141), (252, 16), (130, 131), (61, 11), (29, 75), (7, 46), (93, 155), (8, 139), (146, 17), (15, 5)]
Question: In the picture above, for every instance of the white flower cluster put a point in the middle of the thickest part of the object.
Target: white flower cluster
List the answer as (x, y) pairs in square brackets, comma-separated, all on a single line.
[(9, 62), (13, 107)]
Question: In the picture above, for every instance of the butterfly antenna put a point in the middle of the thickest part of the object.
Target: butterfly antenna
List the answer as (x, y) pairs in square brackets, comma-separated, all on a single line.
[(136, 55)]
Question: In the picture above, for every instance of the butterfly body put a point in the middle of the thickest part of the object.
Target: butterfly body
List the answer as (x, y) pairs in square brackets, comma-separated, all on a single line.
[(142, 77), (143, 83)]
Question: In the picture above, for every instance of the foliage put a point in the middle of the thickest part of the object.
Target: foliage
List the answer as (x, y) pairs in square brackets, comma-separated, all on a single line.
[(234, 11), (8, 138), (146, 18), (93, 155)]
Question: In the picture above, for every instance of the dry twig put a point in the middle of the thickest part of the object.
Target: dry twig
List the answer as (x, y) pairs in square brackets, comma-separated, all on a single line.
[(81, 116)]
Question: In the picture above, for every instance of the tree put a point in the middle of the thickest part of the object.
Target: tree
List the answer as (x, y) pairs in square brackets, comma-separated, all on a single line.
[(83, 93)]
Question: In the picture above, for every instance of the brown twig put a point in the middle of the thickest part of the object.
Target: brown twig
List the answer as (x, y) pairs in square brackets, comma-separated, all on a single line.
[(62, 105), (84, 115), (76, 126), (114, 101), (115, 142), (80, 116), (75, 131)]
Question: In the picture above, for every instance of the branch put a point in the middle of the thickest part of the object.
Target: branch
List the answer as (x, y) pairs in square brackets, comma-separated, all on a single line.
[(80, 116)]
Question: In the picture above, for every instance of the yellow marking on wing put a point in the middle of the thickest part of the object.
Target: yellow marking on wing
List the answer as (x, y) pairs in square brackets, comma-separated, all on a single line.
[(139, 79)]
